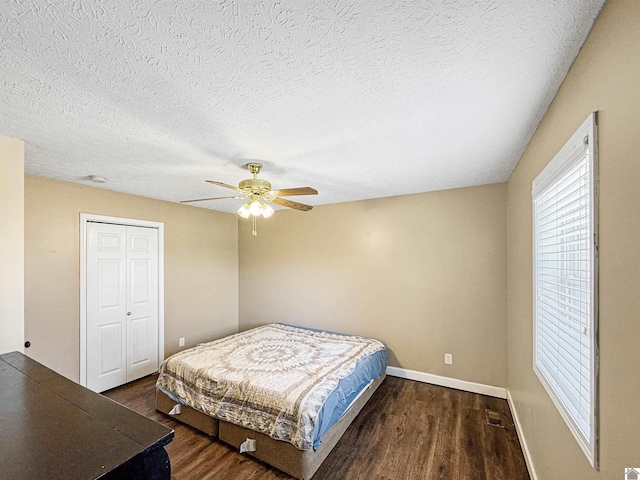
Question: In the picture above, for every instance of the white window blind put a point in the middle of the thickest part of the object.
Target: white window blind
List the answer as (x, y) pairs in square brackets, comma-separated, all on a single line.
[(565, 284)]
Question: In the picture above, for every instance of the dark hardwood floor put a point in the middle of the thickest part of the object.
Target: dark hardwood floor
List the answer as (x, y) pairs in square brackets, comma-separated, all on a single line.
[(407, 431)]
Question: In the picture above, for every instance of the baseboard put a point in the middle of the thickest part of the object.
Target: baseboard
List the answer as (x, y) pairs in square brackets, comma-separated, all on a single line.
[(523, 442), (447, 382)]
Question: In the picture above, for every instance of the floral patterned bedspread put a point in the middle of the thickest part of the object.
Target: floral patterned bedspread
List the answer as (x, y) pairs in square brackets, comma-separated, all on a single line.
[(273, 379)]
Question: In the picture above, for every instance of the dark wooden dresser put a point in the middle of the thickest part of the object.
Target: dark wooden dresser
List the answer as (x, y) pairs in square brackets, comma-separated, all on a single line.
[(53, 428)]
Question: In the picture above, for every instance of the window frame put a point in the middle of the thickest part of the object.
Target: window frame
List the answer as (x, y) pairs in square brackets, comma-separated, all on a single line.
[(568, 156)]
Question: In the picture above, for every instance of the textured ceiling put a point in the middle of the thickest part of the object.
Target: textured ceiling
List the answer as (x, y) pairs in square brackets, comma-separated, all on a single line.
[(357, 99)]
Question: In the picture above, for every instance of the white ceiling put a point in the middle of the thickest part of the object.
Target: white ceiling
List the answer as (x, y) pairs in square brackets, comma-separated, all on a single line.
[(357, 99)]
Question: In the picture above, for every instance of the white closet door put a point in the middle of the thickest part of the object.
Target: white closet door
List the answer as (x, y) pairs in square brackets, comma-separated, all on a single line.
[(122, 304), (106, 306), (142, 302)]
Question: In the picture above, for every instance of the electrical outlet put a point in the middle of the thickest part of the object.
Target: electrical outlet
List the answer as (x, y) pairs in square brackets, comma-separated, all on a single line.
[(448, 359), (181, 342)]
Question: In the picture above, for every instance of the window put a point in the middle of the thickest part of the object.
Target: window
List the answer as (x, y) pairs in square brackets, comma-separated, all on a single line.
[(565, 281)]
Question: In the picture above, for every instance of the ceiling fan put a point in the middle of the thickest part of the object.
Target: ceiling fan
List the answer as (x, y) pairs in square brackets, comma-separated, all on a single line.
[(259, 196)]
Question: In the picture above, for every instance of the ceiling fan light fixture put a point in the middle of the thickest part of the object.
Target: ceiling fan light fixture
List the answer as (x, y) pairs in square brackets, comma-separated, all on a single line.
[(255, 207), (267, 211), (259, 196), (244, 210)]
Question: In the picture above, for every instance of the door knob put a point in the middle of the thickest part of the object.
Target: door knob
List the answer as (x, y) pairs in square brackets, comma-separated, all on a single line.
[(128, 313)]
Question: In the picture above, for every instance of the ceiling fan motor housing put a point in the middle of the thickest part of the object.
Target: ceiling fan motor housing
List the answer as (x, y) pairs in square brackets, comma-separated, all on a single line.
[(255, 186)]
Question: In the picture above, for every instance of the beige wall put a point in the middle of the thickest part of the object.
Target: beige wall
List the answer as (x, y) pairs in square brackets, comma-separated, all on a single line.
[(424, 273), (201, 267), (11, 244), (605, 77)]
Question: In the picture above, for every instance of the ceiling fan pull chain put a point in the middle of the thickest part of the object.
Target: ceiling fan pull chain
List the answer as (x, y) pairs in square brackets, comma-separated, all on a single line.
[(254, 232)]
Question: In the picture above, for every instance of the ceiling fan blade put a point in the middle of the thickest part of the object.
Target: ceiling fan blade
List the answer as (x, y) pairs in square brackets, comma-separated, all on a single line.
[(205, 199), (224, 185), (288, 192), (290, 204)]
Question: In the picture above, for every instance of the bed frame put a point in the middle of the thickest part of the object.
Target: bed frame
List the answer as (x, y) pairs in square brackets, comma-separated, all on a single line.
[(301, 464)]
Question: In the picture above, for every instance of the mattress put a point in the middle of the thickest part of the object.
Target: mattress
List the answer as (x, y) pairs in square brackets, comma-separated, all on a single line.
[(286, 382)]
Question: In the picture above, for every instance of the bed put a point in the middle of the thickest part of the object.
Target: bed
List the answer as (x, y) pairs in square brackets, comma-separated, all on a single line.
[(280, 393)]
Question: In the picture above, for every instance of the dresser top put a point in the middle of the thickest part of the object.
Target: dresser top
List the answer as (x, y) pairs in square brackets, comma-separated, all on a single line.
[(51, 427)]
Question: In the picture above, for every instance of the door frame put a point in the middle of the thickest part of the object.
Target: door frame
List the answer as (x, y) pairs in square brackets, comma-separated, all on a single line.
[(89, 217)]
